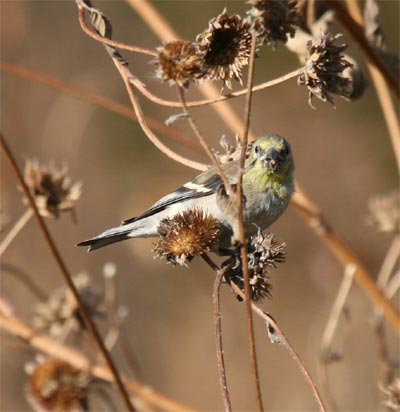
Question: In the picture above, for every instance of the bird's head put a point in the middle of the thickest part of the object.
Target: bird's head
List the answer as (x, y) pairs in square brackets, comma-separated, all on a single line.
[(272, 155)]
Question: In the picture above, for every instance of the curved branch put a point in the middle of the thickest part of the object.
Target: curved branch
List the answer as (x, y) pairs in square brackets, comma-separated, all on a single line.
[(107, 41), (198, 103)]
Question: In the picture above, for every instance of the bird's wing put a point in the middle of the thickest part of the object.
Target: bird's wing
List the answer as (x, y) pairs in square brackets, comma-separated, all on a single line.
[(203, 185)]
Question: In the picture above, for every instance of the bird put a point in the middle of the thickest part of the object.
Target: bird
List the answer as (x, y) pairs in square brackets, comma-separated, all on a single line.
[(268, 184)]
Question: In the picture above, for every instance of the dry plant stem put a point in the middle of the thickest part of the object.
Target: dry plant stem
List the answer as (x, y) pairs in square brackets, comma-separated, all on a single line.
[(110, 42), (105, 103), (242, 234), (343, 252), (393, 285), (67, 277), (383, 350), (389, 263), (163, 30), (355, 29), (382, 90), (198, 103), (310, 13), (218, 340), (125, 74), (202, 141), (266, 318), (329, 332), (18, 226), (25, 279), (53, 348), (263, 315)]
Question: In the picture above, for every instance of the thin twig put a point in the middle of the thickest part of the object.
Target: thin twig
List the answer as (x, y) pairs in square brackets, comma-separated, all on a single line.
[(330, 329), (198, 103), (25, 279), (66, 275), (18, 226), (382, 89), (218, 340), (107, 41), (393, 285), (149, 133), (242, 234), (53, 348), (389, 263), (100, 101), (357, 32), (267, 318)]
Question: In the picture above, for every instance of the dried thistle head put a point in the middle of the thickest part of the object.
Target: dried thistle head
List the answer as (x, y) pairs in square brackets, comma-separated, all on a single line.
[(179, 62), (385, 212), (51, 189), (226, 47), (392, 395), (323, 70), (61, 310), (274, 20), (56, 386), (186, 235), (263, 253)]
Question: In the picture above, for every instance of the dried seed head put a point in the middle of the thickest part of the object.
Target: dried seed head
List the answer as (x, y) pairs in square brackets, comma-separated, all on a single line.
[(323, 70), (55, 386), (263, 253), (179, 62), (186, 235), (51, 188), (61, 311), (392, 396), (385, 212), (226, 47), (274, 20)]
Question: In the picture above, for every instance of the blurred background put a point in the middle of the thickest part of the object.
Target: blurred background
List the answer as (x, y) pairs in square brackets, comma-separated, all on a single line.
[(343, 157)]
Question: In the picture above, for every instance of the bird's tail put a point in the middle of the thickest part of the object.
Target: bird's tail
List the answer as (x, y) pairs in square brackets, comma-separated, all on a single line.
[(106, 238)]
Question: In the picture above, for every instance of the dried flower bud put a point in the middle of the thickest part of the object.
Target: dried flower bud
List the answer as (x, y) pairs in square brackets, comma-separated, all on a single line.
[(186, 235), (55, 315), (263, 253), (392, 396), (274, 20), (323, 70), (179, 62), (226, 47), (51, 189), (385, 212), (56, 386)]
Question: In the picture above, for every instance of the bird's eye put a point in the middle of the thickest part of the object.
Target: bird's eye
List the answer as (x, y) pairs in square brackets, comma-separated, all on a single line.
[(257, 150), (286, 151)]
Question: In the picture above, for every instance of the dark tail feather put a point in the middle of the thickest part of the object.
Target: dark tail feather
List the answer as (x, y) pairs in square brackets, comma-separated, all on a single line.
[(99, 242)]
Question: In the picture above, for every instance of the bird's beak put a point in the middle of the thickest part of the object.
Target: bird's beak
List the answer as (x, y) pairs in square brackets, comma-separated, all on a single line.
[(272, 159)]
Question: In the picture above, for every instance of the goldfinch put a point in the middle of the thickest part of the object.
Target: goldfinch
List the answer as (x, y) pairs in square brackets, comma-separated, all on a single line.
[(268, 185)]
